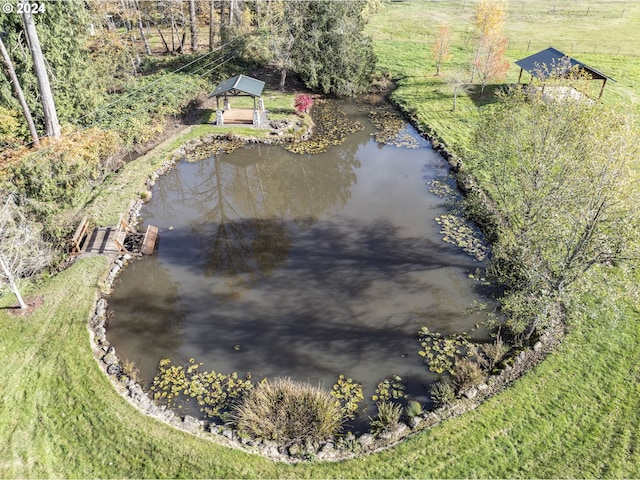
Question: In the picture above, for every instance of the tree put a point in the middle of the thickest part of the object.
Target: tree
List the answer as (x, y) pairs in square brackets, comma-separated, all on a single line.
[(490, 41), (192, 24), (19, 94), (490, 63), (440, 48), (563, 176), (458, 84), (22, 251), (330, 51), (52, 126), (62, 32)]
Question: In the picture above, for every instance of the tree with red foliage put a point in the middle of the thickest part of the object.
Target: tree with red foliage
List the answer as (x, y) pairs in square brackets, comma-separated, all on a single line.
[(440, 47), (303, 103)]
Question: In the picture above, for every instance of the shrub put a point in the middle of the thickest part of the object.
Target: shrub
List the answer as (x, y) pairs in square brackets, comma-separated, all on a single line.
[(414, 409), (467, 373), (442, 394), (303, 103), (62, 172), (288, 412), (389, 414), (494, 352)]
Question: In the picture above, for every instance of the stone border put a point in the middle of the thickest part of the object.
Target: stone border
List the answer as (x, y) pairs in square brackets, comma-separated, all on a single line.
[(342, 448)]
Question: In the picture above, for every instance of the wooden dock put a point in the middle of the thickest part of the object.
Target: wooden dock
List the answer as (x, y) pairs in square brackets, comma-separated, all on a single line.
[(111, 240), (105, 240), (149, 242)]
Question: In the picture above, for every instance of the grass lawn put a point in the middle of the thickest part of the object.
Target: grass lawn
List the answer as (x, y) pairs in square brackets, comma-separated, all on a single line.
[(576, 415), (403, 33)]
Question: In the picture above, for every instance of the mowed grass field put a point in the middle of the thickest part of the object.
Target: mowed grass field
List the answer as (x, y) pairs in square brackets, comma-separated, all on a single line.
[(576, 415), (600, 34)]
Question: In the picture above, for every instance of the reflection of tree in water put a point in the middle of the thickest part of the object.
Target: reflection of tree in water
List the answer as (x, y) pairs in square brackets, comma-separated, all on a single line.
[(246, 246), (246, 209)]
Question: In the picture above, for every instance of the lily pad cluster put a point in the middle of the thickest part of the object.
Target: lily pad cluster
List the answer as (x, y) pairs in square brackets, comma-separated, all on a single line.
[(349, 395), (441, 188), (216, 145), (440, 352), (215, 393), (332, 126), (457, 231), (389, 389), (391, 129)]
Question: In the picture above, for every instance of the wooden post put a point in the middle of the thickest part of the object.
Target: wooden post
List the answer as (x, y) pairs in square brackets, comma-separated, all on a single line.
[(604, 81), (520, 76)]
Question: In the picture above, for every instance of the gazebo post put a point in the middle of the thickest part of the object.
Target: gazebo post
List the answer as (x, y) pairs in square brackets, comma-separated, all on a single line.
[(520, 76), (604, 82)]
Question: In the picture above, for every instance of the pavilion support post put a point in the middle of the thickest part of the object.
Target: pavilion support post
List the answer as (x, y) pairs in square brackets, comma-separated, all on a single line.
[(226, 103), (261, 104), (219, 118), (604, 82), (520, 76)]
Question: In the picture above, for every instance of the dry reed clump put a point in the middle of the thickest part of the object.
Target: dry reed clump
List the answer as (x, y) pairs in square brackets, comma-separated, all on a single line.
[(288, 412)]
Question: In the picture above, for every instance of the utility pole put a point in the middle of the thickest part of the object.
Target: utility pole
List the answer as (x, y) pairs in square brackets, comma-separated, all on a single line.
[(19, 93)]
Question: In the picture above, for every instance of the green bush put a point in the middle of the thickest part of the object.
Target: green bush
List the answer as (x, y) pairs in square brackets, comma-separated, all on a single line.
[(493, 353), (139, 112), (389, 414), (442, 394), (13, 129), (288, 412), (414, 409)]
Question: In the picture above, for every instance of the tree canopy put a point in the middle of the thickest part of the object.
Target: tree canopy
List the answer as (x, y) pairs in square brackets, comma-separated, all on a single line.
[(62, 30), (563, 172)]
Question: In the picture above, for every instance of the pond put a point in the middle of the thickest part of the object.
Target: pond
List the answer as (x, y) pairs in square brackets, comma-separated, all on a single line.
[(304, 266)]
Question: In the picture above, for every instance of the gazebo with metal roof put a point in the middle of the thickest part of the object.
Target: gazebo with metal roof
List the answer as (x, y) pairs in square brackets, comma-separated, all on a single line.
[(541, 64), (239, 86)]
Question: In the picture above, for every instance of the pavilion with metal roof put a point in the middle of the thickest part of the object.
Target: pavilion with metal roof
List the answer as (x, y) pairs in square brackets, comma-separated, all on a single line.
[(239, 86), (544, 63)]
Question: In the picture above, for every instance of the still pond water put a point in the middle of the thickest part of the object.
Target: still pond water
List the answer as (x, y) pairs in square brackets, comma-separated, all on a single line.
[(302, 266)]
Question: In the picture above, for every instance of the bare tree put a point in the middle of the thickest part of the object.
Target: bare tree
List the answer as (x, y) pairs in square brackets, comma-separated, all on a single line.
[(52, 126), (143, 35), (22, 250), (458, 84), (18, 89)]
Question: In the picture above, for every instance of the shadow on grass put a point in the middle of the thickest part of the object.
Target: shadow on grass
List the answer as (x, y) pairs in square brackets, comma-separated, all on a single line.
[(487, 97)]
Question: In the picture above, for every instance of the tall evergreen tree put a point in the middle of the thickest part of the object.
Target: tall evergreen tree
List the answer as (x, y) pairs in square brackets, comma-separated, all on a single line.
[(62, 31), (323, 41)]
